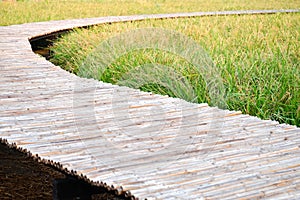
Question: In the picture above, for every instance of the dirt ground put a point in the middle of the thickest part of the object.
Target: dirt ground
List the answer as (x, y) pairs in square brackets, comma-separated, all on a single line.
[(22, 177)]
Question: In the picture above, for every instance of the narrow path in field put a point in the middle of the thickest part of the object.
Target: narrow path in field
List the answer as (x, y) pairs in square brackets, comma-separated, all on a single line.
[(153, 146)]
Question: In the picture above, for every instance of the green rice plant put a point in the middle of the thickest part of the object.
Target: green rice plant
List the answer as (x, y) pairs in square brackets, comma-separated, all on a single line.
[(257, 57)]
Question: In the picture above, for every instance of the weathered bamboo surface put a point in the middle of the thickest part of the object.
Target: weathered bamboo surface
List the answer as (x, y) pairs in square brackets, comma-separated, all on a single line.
[(153, 146)]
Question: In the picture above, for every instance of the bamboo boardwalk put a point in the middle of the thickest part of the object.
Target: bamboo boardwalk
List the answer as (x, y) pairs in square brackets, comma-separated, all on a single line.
[(153, 146)]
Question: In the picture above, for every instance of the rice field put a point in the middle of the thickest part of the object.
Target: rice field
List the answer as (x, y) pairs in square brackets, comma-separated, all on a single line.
[(24, 11), (258, 61)]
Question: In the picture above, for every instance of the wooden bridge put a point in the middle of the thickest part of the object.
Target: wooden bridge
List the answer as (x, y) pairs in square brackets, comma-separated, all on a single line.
[(153, 146)]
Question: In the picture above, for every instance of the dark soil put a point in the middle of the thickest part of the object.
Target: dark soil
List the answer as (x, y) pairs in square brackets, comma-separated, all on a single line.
[(23, 177)]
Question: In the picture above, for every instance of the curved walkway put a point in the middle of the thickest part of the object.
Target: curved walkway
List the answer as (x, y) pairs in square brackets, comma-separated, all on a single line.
[(154, 146)]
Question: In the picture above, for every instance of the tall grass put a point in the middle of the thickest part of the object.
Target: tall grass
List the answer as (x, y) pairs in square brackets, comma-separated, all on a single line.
[(257, 57), (16, 12)]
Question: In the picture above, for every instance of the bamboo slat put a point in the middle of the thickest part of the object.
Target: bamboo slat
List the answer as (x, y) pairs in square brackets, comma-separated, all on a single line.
[(178, 151)]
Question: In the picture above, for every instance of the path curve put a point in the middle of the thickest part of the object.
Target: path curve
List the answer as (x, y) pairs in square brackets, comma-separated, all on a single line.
[(250, 158)]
